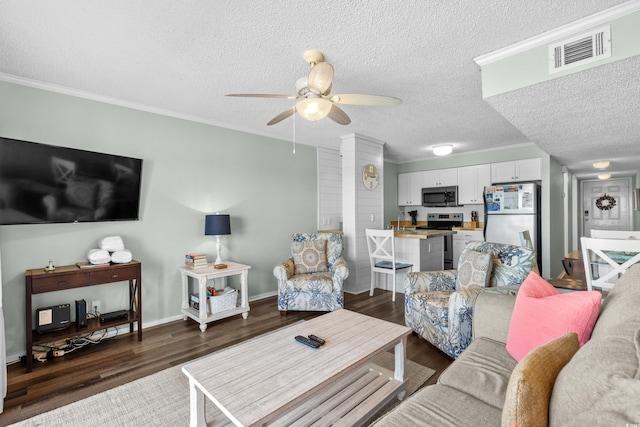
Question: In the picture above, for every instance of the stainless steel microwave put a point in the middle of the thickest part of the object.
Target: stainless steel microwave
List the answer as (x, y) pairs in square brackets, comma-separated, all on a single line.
[(440, 196)]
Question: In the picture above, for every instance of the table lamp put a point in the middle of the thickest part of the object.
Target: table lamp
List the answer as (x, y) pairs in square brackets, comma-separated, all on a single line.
[(217, 225)]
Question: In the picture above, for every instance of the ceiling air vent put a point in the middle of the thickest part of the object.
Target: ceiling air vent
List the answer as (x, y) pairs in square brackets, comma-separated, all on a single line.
[(580, 50)]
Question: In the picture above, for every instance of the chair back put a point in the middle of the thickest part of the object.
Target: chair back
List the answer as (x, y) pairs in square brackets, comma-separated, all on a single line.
[(615, 234), (381, 245), (334, 244), (525, 239), (511, 264), (615, 255)]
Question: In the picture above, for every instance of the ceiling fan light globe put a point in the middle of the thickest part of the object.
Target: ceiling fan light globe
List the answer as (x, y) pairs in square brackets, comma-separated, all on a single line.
[(313, 109)]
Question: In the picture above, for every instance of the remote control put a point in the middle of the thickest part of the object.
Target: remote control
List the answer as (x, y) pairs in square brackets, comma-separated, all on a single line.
[(307, 341), (317, 339)]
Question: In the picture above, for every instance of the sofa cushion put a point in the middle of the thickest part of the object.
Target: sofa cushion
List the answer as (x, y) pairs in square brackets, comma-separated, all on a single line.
[(439, 405), (316, 283), (527, 398), (605, 372), (482, 370), (617, 407), (474, 270), (310, 256), (542, 313)]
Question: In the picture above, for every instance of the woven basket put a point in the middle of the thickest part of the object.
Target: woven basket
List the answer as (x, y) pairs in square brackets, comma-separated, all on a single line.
[(224, 302)]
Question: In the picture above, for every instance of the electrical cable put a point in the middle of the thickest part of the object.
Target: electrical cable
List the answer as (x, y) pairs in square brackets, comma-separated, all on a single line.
[(47, 351)]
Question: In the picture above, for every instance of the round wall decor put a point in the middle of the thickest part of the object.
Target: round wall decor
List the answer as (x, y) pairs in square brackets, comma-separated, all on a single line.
[(605, 202), (370, 176)]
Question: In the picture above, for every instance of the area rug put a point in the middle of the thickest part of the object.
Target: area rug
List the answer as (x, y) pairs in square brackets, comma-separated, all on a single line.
[(162, 399)]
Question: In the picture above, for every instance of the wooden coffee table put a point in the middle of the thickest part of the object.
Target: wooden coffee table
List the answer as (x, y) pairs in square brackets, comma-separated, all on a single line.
[(277, 380)]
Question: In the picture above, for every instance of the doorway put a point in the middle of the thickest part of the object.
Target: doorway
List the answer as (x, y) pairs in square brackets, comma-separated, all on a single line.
[(606, 205)]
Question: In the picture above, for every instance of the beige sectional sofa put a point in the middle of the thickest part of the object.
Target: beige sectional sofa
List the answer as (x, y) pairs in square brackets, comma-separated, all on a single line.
[(599, 386)]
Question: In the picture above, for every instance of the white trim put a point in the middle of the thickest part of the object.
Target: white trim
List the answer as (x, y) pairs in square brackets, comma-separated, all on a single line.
[(466, 153), (64, 90), (599, 18)]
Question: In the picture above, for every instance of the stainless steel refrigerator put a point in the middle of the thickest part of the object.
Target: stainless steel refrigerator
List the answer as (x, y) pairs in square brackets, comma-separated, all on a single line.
[(510, 209)]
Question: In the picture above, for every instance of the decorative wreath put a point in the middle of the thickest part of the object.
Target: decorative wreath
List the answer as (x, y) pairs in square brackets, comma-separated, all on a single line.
[(610, 202)]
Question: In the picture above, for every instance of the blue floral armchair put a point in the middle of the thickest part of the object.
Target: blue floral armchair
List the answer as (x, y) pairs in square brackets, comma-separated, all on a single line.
[(440, 311), (318, 290)]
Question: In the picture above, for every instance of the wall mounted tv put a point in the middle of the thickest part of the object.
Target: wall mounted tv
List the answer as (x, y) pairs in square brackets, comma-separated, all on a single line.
[(42, 184)]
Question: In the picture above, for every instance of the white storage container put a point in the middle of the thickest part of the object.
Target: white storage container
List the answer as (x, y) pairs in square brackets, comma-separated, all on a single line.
[(225, 300)]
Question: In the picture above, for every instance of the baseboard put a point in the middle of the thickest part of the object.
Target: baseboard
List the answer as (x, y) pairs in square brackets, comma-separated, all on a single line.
[(14, 358)]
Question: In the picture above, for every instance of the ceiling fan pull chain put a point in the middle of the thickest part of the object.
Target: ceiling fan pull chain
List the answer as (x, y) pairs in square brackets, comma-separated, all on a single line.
[(294, 130)]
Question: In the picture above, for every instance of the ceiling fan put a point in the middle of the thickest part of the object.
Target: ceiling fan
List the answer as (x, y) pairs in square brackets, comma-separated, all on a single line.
[(313, 94)]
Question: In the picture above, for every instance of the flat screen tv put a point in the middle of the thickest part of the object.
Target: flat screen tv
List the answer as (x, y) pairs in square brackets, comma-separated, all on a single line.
[(42, 184)]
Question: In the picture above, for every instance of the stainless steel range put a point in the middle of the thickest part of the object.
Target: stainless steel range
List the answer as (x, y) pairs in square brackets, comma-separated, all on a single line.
[(444, 221)]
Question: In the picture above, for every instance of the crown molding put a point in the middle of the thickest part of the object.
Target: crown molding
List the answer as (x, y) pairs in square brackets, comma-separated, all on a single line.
[(64, 90), (599, 18)]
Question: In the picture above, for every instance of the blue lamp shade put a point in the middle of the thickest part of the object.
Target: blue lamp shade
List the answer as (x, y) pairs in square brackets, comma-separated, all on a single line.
[(217, 225)]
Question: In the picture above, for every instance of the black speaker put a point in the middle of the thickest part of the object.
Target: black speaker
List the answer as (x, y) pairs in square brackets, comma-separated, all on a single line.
[(81, 314)]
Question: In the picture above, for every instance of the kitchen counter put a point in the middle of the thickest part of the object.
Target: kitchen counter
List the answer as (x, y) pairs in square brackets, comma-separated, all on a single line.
[(422, 234), (422, 248)]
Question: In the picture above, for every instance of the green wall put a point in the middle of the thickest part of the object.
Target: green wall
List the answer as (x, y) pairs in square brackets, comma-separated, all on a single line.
[(189, 170)]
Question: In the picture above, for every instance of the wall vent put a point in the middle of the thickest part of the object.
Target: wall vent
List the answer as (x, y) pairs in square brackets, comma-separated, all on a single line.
[(579, 50)]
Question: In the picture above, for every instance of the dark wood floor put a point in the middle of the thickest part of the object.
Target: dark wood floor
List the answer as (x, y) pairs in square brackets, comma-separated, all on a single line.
[(123, 359)]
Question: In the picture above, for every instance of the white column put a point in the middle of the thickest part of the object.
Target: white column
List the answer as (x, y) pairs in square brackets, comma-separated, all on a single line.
[(361, 208)]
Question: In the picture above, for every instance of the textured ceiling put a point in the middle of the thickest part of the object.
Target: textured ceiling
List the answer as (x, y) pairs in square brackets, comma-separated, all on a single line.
[(182, 57), (580, 117)]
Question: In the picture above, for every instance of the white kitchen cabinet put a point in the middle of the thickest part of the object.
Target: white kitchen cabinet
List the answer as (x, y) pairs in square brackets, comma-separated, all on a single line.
[(460, 240), (471, 183), (440, 177), (516, 170), (410, 189)]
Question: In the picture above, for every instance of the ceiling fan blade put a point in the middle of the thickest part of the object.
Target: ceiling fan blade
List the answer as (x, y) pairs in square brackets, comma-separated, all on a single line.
[(280, 117), (338, 116), (262, 95), (356, 99), (320, 78)]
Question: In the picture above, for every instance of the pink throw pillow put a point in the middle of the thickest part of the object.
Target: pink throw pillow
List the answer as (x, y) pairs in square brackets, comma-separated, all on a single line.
[(542, 313)]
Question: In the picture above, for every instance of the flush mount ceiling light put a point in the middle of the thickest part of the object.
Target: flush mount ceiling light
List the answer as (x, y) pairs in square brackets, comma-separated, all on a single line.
[(604, 175), (442, 150), (601, 164)]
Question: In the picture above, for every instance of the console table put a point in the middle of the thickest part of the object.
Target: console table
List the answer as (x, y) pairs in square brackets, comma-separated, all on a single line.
[(204, 274), (39, 281)]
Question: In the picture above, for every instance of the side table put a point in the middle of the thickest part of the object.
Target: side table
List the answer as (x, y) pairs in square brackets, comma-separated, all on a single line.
[(204, 274)]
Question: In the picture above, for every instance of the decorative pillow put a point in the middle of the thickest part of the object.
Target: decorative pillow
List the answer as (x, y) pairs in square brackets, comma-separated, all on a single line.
[(542, 313), (527, 399), (310, 256), (474, 270)]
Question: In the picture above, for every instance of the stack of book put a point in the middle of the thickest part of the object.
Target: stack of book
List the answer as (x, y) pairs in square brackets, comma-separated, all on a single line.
[(195, 261)]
